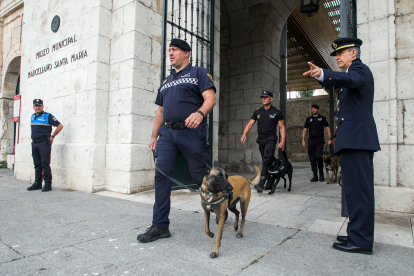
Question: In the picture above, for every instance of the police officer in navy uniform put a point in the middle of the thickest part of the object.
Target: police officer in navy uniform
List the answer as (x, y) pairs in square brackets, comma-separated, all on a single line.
[(356, 140), (184, 98), (268, 118), (41, 125), (316, 140)]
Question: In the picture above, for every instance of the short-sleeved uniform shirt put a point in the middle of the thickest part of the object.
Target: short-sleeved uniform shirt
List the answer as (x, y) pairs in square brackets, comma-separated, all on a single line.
[(42, 125), (316, 125), (181, 93), (267, 120)]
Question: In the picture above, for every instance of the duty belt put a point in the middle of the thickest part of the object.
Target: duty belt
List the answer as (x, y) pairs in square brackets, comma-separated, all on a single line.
[(40, 140), (263, 136), (180, 125)]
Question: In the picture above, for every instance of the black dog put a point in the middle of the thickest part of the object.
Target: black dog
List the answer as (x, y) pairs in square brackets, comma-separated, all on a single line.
[(278, 168)]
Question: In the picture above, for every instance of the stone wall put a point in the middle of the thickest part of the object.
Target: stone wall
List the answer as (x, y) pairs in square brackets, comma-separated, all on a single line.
[(250, 62), (386, 27), (297, 111)]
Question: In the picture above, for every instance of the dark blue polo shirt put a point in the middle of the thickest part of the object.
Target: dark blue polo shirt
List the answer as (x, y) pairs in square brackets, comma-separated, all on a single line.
[(42, 125), (267, 120), (181, 93), (316, 125)]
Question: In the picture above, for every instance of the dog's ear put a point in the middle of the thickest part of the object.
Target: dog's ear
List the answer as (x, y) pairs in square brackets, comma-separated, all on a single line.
[(217, 164), (208, 169), (227, 176)]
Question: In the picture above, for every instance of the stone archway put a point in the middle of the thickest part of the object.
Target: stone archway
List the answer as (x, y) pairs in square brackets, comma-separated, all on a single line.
[(7, 131), (249, 63)]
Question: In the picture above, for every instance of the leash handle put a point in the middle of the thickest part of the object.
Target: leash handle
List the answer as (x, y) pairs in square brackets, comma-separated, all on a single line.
[(170, 178)]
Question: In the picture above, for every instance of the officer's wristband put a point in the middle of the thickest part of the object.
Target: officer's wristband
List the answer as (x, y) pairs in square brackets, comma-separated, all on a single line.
[(201, 112), (52, 136)]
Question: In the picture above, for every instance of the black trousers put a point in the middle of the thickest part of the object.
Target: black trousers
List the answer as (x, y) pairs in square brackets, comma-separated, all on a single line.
[(41, 159), (358, 181), (266, 146), (315, 150), (193, 144)]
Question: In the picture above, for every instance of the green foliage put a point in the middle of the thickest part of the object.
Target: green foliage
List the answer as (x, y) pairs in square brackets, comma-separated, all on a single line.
[(3, 164), (305, 93)]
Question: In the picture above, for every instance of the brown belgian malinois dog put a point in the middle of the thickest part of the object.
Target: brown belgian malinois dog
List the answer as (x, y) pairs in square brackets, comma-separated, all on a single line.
[(219, 192)]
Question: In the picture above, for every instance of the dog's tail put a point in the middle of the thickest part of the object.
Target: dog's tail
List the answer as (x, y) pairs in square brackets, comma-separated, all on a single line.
[(256, 178)]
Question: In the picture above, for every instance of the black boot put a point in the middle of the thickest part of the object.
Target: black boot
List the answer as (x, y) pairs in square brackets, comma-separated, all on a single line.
[(47, 187), (154, 233), (35, 186), (321, 178), (259, 187), (315, 176), (226, 215)]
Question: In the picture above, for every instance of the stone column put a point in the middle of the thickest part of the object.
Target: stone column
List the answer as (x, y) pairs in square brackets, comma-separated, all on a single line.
[(391, 57)]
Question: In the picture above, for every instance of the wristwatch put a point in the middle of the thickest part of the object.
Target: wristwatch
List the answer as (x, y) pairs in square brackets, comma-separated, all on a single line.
[(52, 136)]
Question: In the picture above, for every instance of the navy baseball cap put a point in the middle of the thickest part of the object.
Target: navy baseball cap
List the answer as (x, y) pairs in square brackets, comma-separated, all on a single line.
[(266, 93), (37, 101), (180, 44), (345, 42)]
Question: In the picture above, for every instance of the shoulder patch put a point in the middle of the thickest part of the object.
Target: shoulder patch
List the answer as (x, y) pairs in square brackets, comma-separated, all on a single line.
[(164, 81), (210, 77)]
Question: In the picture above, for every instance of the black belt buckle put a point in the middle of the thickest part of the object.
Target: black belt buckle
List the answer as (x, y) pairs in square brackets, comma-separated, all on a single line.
[(179, 125)]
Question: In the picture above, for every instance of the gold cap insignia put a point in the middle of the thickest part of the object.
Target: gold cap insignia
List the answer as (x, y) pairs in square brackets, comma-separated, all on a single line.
[(334, 45)]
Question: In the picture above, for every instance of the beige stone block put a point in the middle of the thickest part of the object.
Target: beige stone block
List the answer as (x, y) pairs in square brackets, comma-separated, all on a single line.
[(146, 76), (381, 116), (408, 122), (405, 71), (79, 79), (122, 48), (143, 103), (135, 129), (405, 172), (104, 27), (148, 22), (142, 49), (114, 77), (396, 199), (87, 180), (126, 74), (382, 166), (379, 43), (378, 9), (156, 54), (113, 129), (117, 23), (404, 35), (236, 97), (116, 4), (236, 156)]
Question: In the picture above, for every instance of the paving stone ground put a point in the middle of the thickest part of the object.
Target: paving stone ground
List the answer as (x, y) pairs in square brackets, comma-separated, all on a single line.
[(66, 232)]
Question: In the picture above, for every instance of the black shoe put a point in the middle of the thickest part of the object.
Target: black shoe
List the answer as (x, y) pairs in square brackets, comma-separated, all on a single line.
[(351, 248), (315, 177), (226, 215), (35, 186), (342, 239), (154, 233), (47, 188), (259, 187), (321, 178)]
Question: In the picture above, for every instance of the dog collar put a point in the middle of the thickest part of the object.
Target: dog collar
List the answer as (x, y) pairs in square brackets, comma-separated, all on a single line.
[(218, 201)]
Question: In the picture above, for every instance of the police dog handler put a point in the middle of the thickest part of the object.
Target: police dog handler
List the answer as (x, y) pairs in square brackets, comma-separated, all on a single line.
[(316, 123), (268, 118), (41, 125), (356, 140), (184, 98)]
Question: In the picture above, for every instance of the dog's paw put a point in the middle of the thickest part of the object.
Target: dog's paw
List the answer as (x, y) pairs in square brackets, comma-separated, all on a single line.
[(239, 235), (211, 234), (213, 255)]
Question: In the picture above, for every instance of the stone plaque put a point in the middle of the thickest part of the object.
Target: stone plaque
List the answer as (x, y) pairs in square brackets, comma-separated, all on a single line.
[(55, 23)]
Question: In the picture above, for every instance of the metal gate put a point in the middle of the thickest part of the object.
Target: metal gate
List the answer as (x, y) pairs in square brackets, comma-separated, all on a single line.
[(192, 21)]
